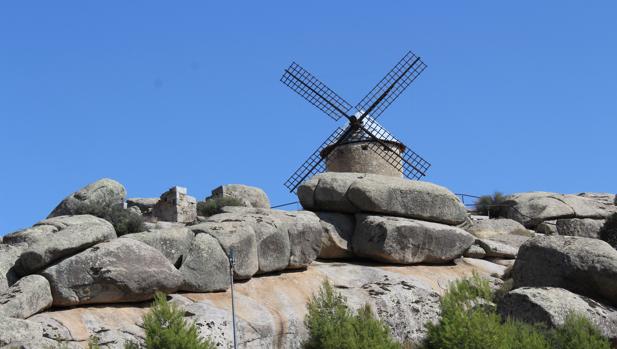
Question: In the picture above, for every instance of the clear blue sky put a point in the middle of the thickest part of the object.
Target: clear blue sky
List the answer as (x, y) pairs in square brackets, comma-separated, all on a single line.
[(517, 96)]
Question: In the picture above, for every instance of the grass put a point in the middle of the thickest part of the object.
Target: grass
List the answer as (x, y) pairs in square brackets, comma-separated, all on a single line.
[(212, 206)]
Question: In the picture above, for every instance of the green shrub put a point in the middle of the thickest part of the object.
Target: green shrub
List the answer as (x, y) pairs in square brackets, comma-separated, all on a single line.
[(464, 324), (124, 221), (214, 205), (491, 205), (166, 328), (332, 325), (608, 232)]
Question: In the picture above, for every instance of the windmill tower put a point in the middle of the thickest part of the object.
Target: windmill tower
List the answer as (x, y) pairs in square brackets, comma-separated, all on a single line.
[(362, 145)]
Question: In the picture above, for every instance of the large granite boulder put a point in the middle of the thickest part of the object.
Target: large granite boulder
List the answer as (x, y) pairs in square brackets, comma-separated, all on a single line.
[(102, 192), (121, 270), (582, 265), (8, 256), (585, 227), (354, 192), (491, 227), (28, 296), (497, 249), (531, 209), (408, 241), (338, 229), (249, 196), (605, 198), (17, 333), (58, 237), (551, 305), (206, 267), (173, 243)]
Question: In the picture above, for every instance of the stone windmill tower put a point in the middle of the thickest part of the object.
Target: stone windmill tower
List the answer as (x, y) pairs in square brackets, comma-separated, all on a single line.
[(363, 145)]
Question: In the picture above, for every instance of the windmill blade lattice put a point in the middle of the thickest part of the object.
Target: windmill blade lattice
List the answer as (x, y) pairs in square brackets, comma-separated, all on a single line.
[(391, 86), (316, 92), (315, 163)]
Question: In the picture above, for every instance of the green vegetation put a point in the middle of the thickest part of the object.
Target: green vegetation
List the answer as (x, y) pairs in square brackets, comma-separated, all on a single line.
[(332, 325), (608, 232), (214, 205), (124, 221), (491, 205), (469, 320)]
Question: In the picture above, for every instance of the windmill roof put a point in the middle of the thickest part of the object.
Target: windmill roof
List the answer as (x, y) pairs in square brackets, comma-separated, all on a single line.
[(373, 127)]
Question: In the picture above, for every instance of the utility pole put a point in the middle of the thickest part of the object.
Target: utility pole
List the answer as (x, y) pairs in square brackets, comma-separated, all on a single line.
[(232, 265)]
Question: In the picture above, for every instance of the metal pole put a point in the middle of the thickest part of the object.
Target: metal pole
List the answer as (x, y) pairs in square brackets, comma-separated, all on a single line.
[(232, 264)]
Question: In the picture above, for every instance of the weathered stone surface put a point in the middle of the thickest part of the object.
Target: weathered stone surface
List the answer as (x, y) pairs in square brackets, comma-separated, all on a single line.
[(305, 231), (550, 306), (176, 206), (337, 235), (408, 241), (490, 227), (58, 237), (28, 296), (547, 227), (102, 192), (173, 243), (206, 268), (474, 251), (533, 208), (121, 270), (249, 196), (497, 249), (238, 236), (513, 240), (145, 205), (8, 256), (585, 227), (356, 192), (17, 333), (604, 198), (582, 265), (159, 225)]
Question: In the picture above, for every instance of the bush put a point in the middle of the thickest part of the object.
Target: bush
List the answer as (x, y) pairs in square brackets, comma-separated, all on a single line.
[(214, 205), (124, 221), (491, 205), (466, 325), (608, 232), (165, 328), (332, 325)]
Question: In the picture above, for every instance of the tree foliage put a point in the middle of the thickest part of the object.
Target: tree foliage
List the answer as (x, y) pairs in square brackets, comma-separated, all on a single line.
[(124, 221), (608, 232), (491, 205)]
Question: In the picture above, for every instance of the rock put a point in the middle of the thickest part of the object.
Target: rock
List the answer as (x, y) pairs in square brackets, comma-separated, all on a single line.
[(16, 333), (582, 265), (176, 206), (28, 296), (474, 251), (238, 236), (490, 227), (102, 192), (173, 243), (152, 226), (121, 270), (585, 227), (493, 269), (355, 192), (8, 256), (58, 237), (547, 227), (497, 249), (533, 208), (249, 196), (206, 267), (512, 240), (604, 198), (337, 235), (550, 306), (408, 241), (145, 205), (305, 230)]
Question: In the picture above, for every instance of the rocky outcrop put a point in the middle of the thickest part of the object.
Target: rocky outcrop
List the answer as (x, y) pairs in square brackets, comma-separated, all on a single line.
[(121, 270), (490, 227), (533, 208), (28, 296), (102, 192), (605, 198), (550, 306), (497, 249), (176, 205), (173, 243), (408, 241), (8, 256), (336, 238), (582, 265), (585, 227), (58, 237), (16, 333), (206, 267), (145, 205), (249, 196), (384, 195)]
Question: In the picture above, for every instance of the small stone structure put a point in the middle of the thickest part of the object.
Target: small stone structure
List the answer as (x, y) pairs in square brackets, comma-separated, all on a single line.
[(176, 206)]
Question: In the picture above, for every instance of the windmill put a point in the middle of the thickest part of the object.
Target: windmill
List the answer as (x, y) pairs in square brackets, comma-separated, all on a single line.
[(362, 145)]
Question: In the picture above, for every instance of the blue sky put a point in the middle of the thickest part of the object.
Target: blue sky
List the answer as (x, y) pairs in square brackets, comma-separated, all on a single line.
[(517, 96)]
